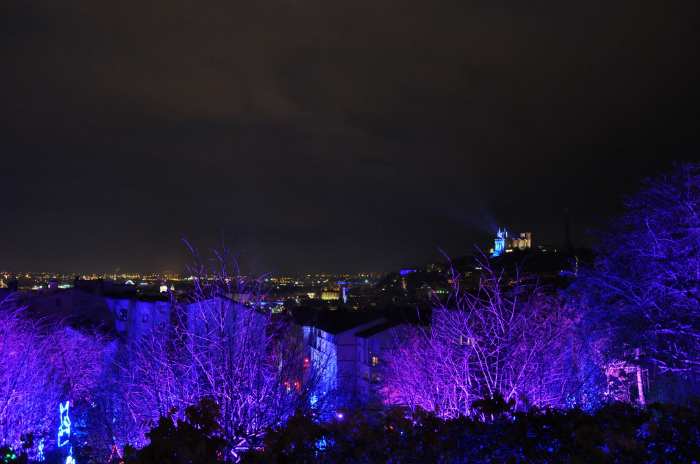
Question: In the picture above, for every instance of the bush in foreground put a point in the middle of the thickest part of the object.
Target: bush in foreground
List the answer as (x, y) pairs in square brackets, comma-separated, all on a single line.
[(616, 433), (194, 440)]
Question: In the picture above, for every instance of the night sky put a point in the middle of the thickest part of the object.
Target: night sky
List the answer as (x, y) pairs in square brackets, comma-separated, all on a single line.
[(330, 135)]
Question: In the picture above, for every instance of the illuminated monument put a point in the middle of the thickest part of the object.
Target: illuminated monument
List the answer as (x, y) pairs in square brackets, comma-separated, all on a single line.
[(503, 243), (499, 244)]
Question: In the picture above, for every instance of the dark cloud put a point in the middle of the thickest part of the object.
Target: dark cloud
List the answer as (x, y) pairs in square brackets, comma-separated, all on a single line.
[(329, 135)]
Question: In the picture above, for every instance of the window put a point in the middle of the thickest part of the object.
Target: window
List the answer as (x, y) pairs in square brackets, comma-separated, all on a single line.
[(374, 360), (464, 340)]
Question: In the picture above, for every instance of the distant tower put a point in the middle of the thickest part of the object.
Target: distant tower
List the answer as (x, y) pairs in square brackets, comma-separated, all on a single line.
[(499, 244)]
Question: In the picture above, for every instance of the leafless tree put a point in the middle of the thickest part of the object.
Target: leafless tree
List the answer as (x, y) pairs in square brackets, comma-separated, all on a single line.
[(505, 338), (642, 297), (27, 396), (42, 364), (222, 343)]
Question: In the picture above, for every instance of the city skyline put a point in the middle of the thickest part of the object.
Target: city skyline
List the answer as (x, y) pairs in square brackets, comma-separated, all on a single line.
[(477, 250)]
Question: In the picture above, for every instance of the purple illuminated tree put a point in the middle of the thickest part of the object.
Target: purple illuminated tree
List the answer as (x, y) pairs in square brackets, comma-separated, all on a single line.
[(81, 365), (505, 338), (643, 294), (28, 397), (221, 344), (42, 364)]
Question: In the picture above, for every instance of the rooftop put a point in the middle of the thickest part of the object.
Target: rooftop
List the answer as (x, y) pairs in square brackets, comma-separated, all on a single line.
[(339, 321), (376, 329)]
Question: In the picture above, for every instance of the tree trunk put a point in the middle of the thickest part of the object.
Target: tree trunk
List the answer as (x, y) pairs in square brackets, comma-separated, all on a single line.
[(640, 384)]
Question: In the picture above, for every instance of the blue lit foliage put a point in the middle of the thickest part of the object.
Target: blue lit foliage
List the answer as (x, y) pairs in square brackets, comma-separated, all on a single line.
[(42, 363), (642, 298), (27, 389), (40, 456)]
